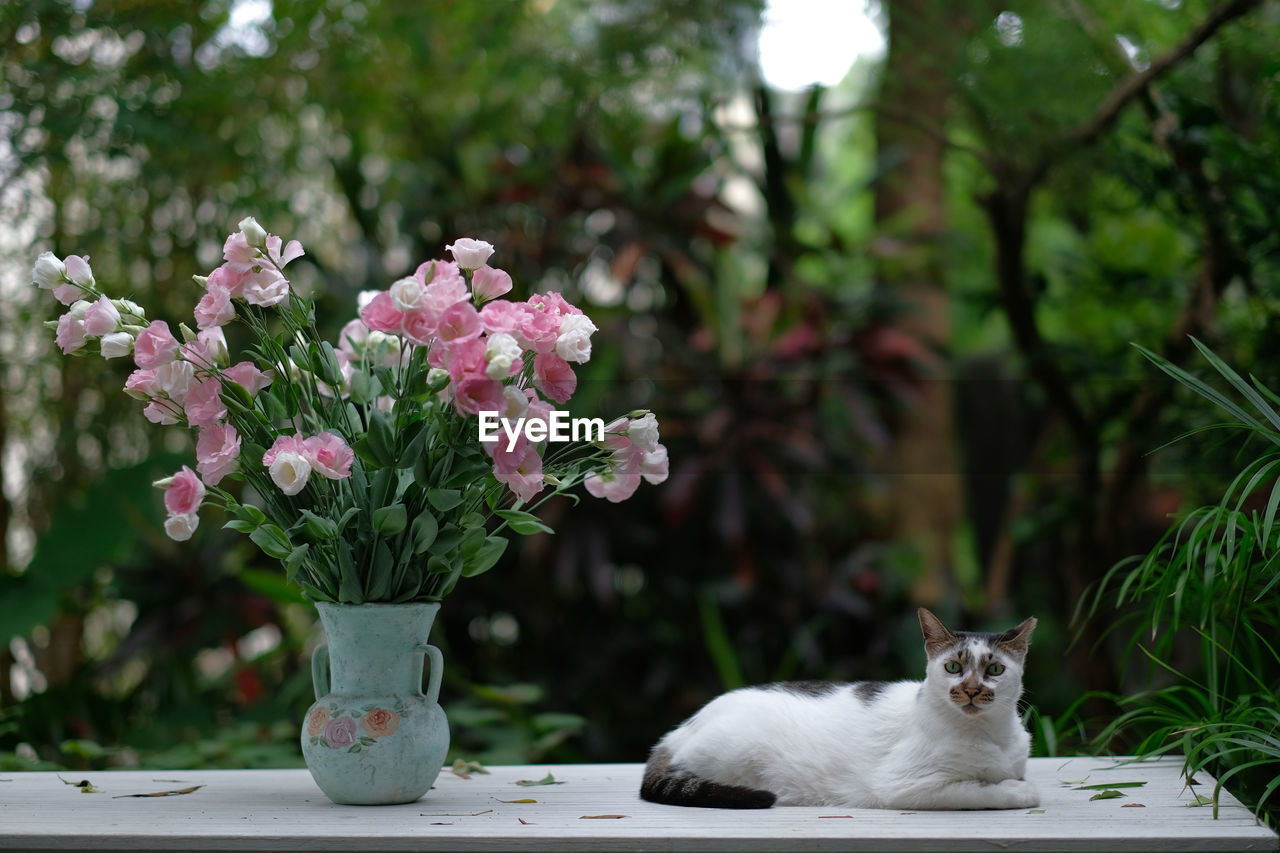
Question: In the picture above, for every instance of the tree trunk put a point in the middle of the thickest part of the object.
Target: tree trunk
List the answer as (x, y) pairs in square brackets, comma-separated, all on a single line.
[(926, 494)]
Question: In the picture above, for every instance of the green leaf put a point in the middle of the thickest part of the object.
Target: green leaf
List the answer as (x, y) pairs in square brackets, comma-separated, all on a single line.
[(381, 437), (423, 531), (444, 499), (545, 780), (349, 589), (240, 526), (318, 527), (301, 358), (446, 540), (390, 520), (485, 557), (272, 585), (523, 523), (1110, 786), (1106, 795), (273, 541), (362, 388), (295, 560)]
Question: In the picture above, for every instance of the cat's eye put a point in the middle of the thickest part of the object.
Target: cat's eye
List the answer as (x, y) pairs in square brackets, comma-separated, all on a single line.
[(995, 669), (952, 666)]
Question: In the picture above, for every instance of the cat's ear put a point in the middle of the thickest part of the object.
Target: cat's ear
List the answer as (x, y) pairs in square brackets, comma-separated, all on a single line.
[(1017, 639), (936, 636)]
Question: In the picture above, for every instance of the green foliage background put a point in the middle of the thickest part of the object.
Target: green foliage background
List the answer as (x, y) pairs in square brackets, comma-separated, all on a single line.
[(605, 149)]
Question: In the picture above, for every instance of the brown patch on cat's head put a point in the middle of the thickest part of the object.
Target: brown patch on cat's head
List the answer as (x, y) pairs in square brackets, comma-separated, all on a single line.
[(937, 638), (1017, 639)]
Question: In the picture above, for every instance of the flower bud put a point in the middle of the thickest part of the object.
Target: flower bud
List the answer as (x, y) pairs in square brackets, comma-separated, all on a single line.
[(116, 345), (253, 233), (48, 272)]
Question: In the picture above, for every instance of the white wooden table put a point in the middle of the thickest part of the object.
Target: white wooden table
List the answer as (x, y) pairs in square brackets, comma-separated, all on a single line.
[(595, 807)]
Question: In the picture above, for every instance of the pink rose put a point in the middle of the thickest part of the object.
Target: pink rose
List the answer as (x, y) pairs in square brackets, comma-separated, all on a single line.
[(155, 346), (226, 279), (239, 255), (266, 288), (283, 444), (470, 253), (247, 375), (614, 485), (459, 322), (215, 309), (204, 406), (185, 493), (160, 412), (328, 455), (217, 452), (340, 733), (291, 251), (655, 466), (538, 330), (553, 376), (102, 318), (502, 316), (141, 384), (465, 359), (419, 327), (209, 348), (520, 468), (445, 289), (476, 395), (380, 315), (70, 335), (489, 283)]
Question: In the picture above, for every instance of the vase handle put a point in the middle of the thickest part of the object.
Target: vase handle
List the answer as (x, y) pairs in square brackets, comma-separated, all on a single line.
[(435, 673), (320, 670)]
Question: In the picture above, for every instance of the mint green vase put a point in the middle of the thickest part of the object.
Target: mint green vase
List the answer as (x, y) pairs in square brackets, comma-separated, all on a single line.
[(373, 737)]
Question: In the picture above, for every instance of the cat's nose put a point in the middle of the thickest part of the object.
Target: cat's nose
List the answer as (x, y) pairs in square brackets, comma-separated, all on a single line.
[(972, 692)]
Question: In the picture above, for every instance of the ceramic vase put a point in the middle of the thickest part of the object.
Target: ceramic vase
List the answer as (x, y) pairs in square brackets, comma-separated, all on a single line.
[(374, 736)]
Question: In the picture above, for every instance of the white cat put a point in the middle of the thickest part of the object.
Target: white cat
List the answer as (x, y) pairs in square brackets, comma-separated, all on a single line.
[(952, 741)]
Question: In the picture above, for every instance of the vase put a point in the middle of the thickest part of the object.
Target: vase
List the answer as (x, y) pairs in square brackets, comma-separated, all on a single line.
[(373, 737)]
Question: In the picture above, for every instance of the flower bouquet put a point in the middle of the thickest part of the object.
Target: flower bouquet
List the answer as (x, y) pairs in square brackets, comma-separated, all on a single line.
[(379, 470)]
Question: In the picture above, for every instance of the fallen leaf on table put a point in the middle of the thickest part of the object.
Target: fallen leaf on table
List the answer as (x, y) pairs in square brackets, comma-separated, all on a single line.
[(521, 800), (1070, 784), (1109, 786), (1036, 811), (454, 814), (601, 816), (1201, 800), (525, 822), (85, 786), (463, 768), (176, 793), (833, 816), (1106, 795), (442, 823), (545, 780), (1133, 806)]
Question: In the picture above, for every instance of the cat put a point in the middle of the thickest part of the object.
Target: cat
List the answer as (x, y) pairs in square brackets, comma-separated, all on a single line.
[(951, 741)]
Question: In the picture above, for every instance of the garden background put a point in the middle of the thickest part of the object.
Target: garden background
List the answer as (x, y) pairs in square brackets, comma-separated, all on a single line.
[(887, 321)]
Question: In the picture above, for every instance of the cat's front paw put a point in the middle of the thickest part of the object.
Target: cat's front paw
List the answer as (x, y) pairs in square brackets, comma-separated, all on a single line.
[(1018, 794)]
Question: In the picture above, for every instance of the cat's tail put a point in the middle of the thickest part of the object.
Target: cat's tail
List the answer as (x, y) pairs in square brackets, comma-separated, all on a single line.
[(675, 787)]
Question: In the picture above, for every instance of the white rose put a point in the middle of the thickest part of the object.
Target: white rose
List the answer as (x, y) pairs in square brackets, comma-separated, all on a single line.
[(514, 403), (655, 466), (117, 345), (180, 526), (470, 254), (254, 234), (574, 342), (407, 295), (48, 271), (174, 379), (290, 472), (644, 433), (501, 351)]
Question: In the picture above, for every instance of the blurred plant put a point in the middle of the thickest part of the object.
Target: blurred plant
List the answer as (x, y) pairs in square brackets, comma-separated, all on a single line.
[(1211, 585)]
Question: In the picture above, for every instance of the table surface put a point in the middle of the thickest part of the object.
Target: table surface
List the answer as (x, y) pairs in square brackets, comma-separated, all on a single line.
[(596, 807)]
